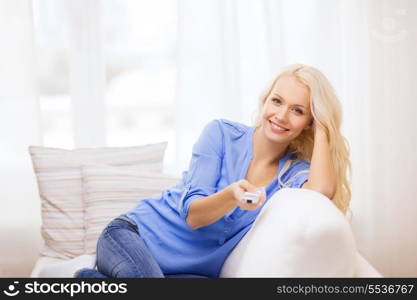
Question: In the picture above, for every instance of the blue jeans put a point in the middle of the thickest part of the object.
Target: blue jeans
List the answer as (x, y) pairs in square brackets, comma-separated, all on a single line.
[(122, 252)]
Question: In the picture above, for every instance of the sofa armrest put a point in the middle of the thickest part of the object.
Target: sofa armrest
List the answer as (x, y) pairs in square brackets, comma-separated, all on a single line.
[(364, 268)]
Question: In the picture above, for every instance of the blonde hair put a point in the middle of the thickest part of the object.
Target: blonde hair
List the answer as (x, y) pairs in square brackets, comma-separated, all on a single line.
[(327, 113)]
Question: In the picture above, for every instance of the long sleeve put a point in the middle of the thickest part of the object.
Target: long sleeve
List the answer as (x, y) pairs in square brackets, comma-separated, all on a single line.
[(205, 167)]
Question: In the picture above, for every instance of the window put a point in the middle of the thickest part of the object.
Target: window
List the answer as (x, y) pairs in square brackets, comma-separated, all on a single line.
[(51, 46), (139, 47)]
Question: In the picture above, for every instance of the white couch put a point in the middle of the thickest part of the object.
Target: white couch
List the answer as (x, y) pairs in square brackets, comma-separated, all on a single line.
[(309, 247), (363, 268)]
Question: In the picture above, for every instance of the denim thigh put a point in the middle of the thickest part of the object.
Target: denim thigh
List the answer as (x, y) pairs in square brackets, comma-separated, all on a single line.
[(121, 252)]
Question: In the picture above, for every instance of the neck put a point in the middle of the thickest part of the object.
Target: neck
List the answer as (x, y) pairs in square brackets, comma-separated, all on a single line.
[(265, 151)]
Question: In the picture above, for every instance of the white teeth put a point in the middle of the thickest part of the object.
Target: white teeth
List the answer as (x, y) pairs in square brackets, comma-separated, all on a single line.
[(276, 126)]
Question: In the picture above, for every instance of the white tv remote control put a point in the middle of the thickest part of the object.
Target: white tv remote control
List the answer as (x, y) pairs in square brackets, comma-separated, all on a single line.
[(249, 197)]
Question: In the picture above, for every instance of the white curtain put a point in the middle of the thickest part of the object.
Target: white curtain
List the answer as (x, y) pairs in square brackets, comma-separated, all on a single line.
[(87, 72), (20, 124), (229, 51), (391, 115), (19, 127)]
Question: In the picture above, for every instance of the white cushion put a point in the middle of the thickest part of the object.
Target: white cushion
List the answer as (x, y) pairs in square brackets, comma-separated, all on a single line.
[(110, 191), (299, 233), (42, 262), (50, 267), (58, 174)]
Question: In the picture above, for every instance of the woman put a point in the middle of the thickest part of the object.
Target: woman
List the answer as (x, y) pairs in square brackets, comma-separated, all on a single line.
[(189, 230)]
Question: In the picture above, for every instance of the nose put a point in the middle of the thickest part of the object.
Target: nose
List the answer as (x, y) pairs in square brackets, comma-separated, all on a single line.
[(281, 115)]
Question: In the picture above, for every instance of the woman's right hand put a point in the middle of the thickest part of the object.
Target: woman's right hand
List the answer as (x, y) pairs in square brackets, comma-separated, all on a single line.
[(238, 188)]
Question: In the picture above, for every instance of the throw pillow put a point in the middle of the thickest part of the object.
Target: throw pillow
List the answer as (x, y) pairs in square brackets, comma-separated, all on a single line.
[(58, 174), (110, 191)]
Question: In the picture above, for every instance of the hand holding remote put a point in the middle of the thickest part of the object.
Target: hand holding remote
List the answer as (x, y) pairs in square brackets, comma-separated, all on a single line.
[(247, 196)]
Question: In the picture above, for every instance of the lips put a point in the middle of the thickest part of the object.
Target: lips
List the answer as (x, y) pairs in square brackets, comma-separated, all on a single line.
[(276, 128)]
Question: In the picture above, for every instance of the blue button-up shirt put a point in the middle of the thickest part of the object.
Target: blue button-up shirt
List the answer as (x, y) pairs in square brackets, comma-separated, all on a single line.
[(220, 156)]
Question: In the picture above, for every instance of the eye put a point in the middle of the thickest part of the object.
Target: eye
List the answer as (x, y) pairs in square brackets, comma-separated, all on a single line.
[(278, 101)]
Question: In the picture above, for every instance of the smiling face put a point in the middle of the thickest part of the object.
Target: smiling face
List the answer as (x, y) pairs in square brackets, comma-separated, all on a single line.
[(286, 111)]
